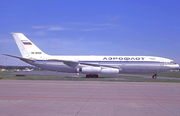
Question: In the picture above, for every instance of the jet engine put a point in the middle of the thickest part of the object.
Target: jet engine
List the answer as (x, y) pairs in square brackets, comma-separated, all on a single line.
[(89, 70), (97, 70)]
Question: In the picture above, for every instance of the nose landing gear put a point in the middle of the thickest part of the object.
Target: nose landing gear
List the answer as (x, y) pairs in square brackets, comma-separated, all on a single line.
[(154, 76)]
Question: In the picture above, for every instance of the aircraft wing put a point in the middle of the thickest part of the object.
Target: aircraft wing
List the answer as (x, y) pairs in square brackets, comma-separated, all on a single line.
[(69, 63), (75, 63), (21, 58), (108, 66)]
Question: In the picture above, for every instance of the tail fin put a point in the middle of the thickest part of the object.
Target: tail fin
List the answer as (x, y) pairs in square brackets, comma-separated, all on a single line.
[(26, 47)]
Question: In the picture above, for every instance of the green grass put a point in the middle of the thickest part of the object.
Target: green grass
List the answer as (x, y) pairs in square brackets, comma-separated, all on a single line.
[(170, 74), (109, 78), (164, 74)]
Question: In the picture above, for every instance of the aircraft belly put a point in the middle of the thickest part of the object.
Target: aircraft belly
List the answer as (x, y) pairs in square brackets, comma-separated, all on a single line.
[(140, 68)]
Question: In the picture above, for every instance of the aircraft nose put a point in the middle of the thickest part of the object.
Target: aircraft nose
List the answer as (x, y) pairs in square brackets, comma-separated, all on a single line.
[(177, 67)]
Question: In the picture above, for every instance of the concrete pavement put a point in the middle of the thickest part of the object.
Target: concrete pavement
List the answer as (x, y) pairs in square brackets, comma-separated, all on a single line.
[(73, 98)]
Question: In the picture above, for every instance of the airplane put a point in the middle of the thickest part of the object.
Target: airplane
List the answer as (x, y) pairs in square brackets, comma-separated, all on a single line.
[(92, 66)]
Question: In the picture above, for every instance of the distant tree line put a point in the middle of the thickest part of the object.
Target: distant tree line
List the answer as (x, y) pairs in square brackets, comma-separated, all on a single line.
[(21, 67), (15, 67)]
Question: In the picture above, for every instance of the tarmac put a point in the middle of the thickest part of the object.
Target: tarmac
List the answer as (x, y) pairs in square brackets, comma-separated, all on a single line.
[(75, 74), (88, 98)]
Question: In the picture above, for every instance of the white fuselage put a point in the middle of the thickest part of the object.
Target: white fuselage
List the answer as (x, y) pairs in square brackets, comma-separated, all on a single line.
[(126, 64)]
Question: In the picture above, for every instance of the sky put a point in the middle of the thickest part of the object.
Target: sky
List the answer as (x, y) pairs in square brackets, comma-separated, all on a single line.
[(92, 27)]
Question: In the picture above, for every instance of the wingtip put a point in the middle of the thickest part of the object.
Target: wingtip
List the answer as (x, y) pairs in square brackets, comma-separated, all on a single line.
[(6, 54)]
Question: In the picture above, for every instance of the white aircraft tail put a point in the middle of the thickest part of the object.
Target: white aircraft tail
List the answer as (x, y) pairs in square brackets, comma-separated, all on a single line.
[(26, 47)]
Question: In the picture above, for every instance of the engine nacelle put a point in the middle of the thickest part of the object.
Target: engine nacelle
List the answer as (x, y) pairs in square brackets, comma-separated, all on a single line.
[(97, 70), (110, 71), (89, 70)]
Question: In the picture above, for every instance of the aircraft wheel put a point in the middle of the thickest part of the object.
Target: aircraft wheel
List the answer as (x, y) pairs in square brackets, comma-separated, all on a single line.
[(154, 76), (96, 76), (87, 76)]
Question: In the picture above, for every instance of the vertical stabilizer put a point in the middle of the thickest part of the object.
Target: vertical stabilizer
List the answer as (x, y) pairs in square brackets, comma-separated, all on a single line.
[(26, 47)]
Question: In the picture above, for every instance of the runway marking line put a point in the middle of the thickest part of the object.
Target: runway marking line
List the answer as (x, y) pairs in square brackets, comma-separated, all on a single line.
[(78, 98)]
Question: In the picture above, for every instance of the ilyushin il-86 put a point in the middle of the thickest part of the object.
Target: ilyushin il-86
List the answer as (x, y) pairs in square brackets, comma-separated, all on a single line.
[(92, 66)]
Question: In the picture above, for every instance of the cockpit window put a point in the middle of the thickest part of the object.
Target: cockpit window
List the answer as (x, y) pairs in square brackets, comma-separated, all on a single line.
[(173, 62)]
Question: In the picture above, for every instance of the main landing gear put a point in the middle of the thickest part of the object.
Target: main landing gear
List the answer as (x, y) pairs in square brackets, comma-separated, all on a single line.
[(154, 76), (92, 76)]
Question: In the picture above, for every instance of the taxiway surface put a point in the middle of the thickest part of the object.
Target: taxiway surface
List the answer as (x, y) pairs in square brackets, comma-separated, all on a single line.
[(73, 98), (75, 74)]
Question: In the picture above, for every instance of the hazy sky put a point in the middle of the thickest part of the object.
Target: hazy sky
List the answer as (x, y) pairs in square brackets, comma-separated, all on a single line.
[(92, 27)]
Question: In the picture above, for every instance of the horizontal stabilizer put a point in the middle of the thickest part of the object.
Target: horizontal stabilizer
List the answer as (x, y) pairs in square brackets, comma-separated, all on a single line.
[(24, 59)]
